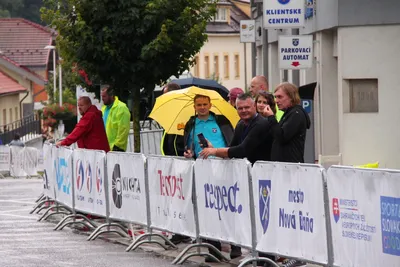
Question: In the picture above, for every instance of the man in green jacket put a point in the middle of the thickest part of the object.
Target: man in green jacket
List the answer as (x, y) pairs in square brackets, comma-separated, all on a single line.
[(116, 117)]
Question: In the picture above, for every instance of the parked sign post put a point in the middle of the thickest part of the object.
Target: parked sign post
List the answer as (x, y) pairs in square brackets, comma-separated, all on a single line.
[(280, 14), (247, 35), (295, 52)]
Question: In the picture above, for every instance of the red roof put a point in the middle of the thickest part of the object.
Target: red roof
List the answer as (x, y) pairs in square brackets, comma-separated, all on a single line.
[(24, 41), (9, 85)]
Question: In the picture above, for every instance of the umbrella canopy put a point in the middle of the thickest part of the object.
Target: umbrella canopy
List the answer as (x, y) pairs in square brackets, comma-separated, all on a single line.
[(173, 109), (307, 91), (204, 84)]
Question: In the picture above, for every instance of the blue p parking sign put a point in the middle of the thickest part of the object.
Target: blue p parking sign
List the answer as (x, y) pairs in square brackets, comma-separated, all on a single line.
[(306, 104)]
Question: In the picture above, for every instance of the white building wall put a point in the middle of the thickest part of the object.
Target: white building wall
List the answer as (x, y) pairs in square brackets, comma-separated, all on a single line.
[(370, 52)]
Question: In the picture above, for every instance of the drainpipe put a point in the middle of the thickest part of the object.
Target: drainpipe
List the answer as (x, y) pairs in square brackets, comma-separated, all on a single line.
[(20, 103)]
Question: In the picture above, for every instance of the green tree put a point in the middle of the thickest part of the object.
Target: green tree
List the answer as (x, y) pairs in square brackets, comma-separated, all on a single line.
[(131, 44), (10, 7)]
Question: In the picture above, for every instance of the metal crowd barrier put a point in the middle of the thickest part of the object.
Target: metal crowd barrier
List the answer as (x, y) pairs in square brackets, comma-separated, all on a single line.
[(297, 211), (19, 161)]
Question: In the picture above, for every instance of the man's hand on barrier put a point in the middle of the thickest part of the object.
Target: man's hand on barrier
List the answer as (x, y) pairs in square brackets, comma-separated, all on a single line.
[(59, 143), (188, 154), (209, 151)]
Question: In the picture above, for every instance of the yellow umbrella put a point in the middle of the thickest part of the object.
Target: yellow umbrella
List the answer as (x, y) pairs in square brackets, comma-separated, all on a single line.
[(173, 109)]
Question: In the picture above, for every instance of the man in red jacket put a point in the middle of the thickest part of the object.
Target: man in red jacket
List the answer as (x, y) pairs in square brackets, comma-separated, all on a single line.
[(89, 133)]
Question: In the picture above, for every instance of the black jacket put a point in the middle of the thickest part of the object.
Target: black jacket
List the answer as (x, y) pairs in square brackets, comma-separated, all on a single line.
[(252, 141), (173, 145), (289, 135), (224, 125)]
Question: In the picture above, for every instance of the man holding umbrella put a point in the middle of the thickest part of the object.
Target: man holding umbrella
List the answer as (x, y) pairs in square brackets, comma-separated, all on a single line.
[(213, 127)]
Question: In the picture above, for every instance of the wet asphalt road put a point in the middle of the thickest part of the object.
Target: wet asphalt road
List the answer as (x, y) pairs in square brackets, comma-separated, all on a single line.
[(25, 242)]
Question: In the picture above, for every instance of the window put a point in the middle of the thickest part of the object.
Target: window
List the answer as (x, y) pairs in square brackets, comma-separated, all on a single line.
[(11, 117), (216, 66), (237, 66), (221, 15), (206, 67), (4, 117), (226, 66), (363, 95), (196, 67), (16, 114)]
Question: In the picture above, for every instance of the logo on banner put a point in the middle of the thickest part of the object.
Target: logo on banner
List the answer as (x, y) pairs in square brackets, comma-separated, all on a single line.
[(89, 177), (222, 198), (117, 186), (283, 2), (60, 166), (264, 202), (99, 179), (80, 175), (295, 41), (335, 209)]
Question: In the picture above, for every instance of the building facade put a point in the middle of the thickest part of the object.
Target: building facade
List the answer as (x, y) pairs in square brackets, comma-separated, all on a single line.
[(223, 57), (355, 60)]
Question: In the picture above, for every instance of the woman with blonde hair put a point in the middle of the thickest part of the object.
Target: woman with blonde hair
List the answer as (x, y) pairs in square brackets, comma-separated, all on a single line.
[(290, 133)]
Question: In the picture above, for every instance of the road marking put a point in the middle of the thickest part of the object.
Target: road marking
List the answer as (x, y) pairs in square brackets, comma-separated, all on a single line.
[(6, 211), (16, 201), (19, 216)]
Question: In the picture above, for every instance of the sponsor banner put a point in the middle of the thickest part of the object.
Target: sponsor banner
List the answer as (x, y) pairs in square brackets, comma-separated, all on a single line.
[(222, 190), (126, 187), (89, 181), (289, 210), (17, 161), (4, 158), (365, 216), (170, 193), (62, 164), (31, 160), (48, 172)]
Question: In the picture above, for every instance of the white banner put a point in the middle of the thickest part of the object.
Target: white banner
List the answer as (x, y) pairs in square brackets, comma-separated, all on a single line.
[(4, 158), (31, 160), (289, 210), (89, 181), (170, 192), (63, 173), (126, 187), (48, 173), (17, 161), (222, 190), (365, 216)]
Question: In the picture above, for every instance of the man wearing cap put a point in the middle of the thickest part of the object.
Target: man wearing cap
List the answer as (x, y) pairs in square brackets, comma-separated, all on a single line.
[(233, 94)]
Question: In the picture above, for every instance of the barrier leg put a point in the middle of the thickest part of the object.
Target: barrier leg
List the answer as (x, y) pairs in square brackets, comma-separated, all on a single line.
[(39, 204), (180, 260), (45, 216), (74, 216), (76, 222), (97, 232), (243, 263), (40, 198), (138, 242)]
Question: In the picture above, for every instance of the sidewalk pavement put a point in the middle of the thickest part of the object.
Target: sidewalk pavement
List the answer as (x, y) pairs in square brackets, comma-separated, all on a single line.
[(169, 254)]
